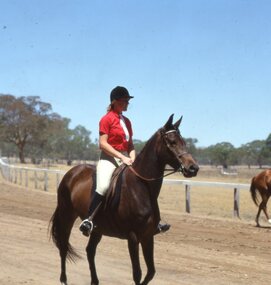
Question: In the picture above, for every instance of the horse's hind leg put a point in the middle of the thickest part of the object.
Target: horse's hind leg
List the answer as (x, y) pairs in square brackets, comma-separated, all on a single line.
[(63, 276), (258, 215), (147, 248), (62, 222), (133, 246), (265, 200), (66, 250), (94, 240), (262, 206)]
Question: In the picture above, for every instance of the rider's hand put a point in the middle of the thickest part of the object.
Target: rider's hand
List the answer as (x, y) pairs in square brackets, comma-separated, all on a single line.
[(127, 160)]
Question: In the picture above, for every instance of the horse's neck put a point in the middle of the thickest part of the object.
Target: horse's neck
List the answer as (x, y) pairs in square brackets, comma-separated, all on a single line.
[(147, 163)]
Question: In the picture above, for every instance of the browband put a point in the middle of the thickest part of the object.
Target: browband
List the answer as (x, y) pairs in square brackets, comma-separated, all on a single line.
[(171, 131)]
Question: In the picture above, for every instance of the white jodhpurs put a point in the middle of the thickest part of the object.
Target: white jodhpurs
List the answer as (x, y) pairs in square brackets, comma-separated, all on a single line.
[(105, 168)]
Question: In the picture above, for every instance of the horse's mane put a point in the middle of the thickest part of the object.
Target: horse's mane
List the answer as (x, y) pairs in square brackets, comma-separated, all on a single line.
[(149, 145)]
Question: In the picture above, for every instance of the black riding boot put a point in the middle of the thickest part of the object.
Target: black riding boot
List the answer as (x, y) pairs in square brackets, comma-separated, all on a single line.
[(86, 227), (163, 227)]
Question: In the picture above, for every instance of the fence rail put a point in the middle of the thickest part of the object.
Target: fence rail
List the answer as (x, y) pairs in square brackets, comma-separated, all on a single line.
[(41, 177), (188, 184)]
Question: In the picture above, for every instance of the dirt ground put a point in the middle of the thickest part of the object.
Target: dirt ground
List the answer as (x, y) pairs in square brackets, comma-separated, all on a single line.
[(196, 250)]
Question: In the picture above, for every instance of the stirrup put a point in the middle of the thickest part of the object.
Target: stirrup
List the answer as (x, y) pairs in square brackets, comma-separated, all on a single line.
[(86, 227)]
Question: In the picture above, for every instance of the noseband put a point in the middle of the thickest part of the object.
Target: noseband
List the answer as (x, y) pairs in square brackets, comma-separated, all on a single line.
[(172, 150)]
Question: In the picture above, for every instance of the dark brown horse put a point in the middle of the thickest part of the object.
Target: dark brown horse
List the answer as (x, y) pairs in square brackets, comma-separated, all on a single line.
[(135, 215), (261, 184)]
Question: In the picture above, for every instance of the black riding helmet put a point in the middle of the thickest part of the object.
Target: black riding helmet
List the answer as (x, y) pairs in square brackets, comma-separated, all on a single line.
[(118, 93)]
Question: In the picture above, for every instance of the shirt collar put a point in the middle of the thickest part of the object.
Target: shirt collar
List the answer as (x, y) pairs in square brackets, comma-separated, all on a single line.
[(116, 114)]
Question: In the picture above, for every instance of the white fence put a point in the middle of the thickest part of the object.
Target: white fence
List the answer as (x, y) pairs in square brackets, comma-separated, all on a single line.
[(188, 184), (24, 176), (41, 177)]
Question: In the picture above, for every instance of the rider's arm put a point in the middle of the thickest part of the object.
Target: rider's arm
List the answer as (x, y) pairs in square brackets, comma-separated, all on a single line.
[(131, 151), (106, 147)]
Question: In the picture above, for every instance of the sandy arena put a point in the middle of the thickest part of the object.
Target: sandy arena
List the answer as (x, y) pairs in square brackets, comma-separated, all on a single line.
[(196, 250)]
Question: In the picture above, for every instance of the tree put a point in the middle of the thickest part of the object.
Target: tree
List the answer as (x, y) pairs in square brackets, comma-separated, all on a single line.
[(268, 141), (7, 149), (138, 144), (26, 120), (257, 152), (220, 153), (191, 145), (78, 144)]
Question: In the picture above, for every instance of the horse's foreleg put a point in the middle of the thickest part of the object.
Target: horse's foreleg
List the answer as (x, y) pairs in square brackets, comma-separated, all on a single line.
[(94, 239), (133, 246), (147, 248)]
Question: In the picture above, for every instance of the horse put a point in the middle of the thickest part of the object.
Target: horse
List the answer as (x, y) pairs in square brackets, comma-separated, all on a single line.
[(261, 184), (136, 214)]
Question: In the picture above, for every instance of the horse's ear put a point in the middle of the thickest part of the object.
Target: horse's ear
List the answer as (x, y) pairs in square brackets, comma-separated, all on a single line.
[(177, 124), (168, 124)]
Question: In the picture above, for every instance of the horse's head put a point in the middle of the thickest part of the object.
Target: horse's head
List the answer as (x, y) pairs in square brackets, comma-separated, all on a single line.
[(174, 151)]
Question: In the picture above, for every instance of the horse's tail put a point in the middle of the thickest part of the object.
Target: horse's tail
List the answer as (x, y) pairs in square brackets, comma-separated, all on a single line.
[(253, 192), (62, 221)]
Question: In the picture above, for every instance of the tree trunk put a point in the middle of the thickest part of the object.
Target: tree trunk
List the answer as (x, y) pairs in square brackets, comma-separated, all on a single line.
[(21, 154)]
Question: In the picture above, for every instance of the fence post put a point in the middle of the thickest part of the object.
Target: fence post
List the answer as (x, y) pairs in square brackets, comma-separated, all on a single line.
[(57, 180), (9, 174), (15, 175), (45, 180), (187, 198), (21, 177), (26, 178), (36, 179), (236, 203)]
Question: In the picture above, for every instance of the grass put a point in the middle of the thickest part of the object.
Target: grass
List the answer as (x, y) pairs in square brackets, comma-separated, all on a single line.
[(211, 201)]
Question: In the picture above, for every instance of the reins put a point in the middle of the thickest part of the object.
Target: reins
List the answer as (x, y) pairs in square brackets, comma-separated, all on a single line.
[(149, 179)]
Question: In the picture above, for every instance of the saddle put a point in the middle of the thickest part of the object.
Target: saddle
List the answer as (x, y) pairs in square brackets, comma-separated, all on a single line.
[(113, 193)]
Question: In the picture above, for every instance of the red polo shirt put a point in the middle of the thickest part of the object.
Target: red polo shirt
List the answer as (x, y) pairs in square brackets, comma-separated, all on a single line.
[(110, 125)]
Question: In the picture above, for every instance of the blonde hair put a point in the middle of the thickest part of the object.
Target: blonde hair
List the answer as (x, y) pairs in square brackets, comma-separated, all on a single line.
[(111, 106)]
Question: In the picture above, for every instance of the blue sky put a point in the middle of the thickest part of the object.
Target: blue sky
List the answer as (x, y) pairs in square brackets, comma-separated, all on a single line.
[(209, 61)]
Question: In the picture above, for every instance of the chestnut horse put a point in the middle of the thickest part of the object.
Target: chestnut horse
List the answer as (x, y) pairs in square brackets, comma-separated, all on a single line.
[(261, 184), (136, 214)]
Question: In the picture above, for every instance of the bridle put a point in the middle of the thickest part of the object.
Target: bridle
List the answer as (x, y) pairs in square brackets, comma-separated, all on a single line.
[(172, 150)]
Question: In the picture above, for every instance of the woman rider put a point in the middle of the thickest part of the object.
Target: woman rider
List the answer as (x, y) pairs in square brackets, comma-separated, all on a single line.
[(116, 144)]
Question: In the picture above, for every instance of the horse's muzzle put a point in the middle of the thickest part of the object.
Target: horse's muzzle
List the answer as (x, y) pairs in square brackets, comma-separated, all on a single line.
[(191, 171)]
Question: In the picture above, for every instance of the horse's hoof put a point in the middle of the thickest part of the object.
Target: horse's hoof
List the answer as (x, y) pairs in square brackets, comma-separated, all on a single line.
[(269, 221)]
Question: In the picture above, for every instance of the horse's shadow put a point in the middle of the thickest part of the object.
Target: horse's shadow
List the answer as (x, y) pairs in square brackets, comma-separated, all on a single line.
[(263, 227)]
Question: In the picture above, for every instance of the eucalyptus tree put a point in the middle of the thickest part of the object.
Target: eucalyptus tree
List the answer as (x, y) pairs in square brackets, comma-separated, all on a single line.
[(26, 121)]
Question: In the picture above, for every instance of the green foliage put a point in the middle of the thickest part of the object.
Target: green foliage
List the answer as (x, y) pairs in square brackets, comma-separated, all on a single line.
[(138, 144), (25, 120), (30, 128), (220, 154), (191, 145), (256, 152), (30, 125), (268, 142)]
